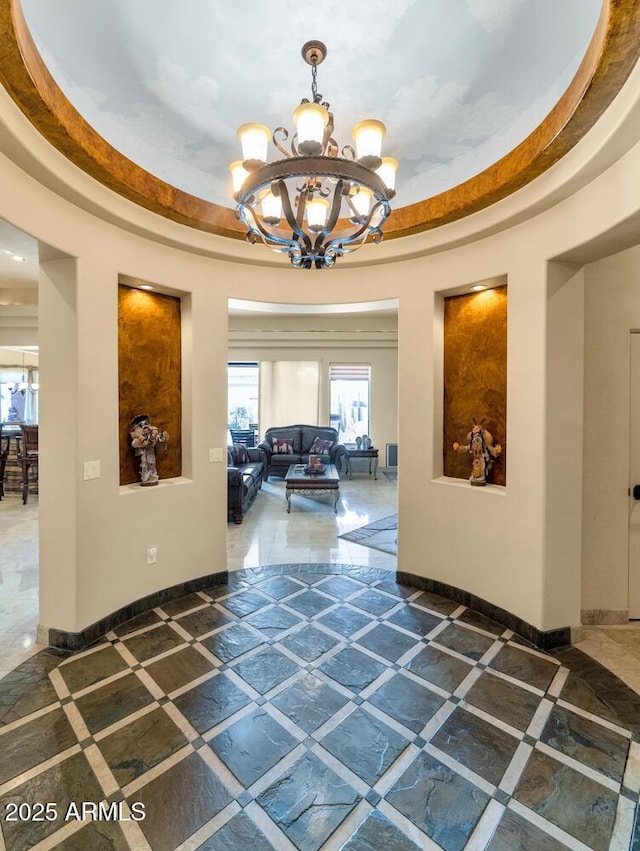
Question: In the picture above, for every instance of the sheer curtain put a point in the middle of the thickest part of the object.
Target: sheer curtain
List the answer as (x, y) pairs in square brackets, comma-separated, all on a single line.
[(289, 393)]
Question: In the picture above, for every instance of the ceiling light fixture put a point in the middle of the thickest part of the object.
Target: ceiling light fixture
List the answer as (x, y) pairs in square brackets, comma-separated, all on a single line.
[(145, 287), (293, 205), (18, 258), (478, 288)]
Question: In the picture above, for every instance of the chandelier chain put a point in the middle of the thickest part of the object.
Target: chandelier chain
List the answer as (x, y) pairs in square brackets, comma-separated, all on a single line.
[(314, 82)]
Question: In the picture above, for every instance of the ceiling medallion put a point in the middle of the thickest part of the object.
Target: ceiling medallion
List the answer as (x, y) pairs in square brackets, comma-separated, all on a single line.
[(294, 205)]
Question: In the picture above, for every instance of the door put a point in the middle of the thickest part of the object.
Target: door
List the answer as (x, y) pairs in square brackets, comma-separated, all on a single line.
[(634, 479)]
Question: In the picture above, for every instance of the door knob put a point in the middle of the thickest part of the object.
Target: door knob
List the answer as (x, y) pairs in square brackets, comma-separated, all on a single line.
[(636, 491)]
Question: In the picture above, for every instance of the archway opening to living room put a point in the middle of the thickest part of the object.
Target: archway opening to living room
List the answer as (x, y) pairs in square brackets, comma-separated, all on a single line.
[(312, 384), (19, 419)]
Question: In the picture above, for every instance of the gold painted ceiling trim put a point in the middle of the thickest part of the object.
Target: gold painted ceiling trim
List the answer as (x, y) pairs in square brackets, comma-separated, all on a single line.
[(610, 58)]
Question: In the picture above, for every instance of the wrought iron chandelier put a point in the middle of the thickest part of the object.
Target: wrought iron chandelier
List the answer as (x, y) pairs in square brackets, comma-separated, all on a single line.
[(313, 205)]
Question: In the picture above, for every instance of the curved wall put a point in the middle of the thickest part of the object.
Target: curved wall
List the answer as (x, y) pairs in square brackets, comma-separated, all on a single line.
[(519, 547)]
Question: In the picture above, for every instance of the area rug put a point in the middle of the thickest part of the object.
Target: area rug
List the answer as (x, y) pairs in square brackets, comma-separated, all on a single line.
[(380, 535)]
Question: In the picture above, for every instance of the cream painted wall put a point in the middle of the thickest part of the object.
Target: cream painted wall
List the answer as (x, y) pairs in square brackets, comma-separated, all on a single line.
[(494, 542), (612, 309), (384, 379)]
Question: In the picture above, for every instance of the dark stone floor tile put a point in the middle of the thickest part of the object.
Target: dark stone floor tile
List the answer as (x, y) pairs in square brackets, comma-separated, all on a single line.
[(415, 620), (179, 668), (439, 801), (309, 702), (71, 781), (391, 587), (476, 744), (375, 833), (83, 672), (525, 666), (352, 669), (203, 621), (34, 742), (309, 577), (273, 622), (266, 669), (374, 602), (138, 622), (27, 688), (112, 702), (568, 799), (588, 742), (152, 643), (635, 840), (211, 702), (252, 746), (408, 702), (464, 641), (365, 745), (481, 621), (279, 587), (245, 603), (442, 605), (340, 587), (309, 643), (238, 834), (231, 642), (183, 604), (310, 603), (387, 642), (308, 802), (517, 834), (142, 744), (592, 687), (345, 621), (503, 700), (439, 668), (97, 836), (166, 824)]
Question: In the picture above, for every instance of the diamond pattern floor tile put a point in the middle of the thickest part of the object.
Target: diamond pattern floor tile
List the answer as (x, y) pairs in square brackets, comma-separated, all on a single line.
[(344, 711)]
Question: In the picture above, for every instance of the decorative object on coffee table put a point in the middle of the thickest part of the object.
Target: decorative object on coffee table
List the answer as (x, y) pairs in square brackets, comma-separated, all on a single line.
[(144, 440), (479, 444)]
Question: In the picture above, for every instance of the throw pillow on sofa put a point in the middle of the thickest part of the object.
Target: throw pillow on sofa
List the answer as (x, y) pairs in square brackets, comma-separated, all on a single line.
[(282, 446), (320, 446), (239, 454)]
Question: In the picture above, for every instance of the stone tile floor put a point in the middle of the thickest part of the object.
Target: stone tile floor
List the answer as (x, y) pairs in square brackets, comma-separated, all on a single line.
[(318, 706)]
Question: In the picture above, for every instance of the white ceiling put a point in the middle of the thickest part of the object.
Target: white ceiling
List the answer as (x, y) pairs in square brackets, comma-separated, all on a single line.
[(18, 279), (459, 83)]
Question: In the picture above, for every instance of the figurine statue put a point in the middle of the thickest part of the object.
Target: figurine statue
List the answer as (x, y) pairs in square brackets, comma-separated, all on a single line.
[(479, 444), (144, 439)]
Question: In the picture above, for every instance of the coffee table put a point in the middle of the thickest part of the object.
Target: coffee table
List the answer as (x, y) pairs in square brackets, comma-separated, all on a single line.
[(300, 482)]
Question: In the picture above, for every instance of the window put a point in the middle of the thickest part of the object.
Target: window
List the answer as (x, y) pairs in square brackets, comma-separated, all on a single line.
[(243, 382), (349, 400)]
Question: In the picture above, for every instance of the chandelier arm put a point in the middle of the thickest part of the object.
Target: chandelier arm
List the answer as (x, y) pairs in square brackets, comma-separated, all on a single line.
[(285, 136), (348, 149), (332, 218), (365, 230), (257, 231), (296, 226)]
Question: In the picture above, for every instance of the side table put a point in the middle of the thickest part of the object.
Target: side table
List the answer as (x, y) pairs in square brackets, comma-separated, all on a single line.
[(371, 454)]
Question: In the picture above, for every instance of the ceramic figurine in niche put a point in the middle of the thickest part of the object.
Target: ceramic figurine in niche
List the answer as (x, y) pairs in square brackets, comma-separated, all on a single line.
[(479, 444), (144, 440)]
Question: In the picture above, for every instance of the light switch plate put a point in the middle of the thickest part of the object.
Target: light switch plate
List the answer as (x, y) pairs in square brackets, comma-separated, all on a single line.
[(91, 470), (215, 456)]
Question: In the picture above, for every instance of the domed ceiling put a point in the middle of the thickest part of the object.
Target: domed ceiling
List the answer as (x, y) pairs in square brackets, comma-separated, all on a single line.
[(460, 84)]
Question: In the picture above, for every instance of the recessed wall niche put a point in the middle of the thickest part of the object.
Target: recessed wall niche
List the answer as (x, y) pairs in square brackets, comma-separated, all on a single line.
[(149, 375), (475, 376)]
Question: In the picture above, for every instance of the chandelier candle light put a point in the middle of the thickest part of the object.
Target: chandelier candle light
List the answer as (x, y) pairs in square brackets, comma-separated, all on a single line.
[(294, 205)]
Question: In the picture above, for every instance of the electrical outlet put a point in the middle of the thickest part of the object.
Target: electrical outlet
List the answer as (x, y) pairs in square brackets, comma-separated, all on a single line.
[(215, 456), (152, 555)]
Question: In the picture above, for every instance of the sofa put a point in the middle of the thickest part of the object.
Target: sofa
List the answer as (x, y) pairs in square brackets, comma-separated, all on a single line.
[(245, 471), (286, 445)]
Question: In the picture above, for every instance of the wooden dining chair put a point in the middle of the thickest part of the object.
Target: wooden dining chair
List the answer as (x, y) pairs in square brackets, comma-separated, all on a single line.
[(28, 459)]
